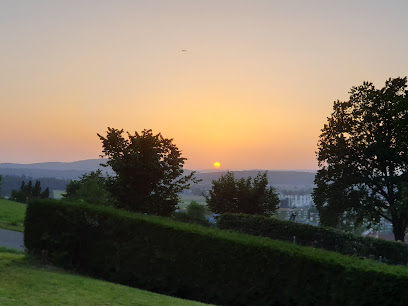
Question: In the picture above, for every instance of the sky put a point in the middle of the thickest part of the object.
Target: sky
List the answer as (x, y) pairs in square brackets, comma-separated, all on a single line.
[(252, 91)]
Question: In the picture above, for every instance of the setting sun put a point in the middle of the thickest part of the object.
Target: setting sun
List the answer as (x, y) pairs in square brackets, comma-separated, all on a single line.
[(217, 165)]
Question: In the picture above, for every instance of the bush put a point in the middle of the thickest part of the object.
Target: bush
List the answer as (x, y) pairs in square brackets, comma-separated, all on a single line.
[(200, 263), (317, 236), (195, 213), (230, 195), (90, 188)]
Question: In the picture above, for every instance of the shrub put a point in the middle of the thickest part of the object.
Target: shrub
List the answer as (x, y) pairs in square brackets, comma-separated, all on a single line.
[(200, 263), (90, 188), (316, 236), (230, 195), (194, 213)]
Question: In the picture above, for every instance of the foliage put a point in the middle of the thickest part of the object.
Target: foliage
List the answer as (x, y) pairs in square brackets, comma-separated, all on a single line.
[(405, 194), (363, 158), (200, 263), (13, 182), (317, 236), (149, 171), (1, 183), (195, 213), (90, 188), (187, 198), (10, 251), (28, 192), (25, 281), (230, 195)]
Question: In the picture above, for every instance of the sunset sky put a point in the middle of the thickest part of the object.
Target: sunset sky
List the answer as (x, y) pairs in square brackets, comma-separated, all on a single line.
[(252, 91)]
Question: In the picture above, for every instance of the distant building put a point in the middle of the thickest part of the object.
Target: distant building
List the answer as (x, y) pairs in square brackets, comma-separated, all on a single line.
[(296, 200), (284, 203)]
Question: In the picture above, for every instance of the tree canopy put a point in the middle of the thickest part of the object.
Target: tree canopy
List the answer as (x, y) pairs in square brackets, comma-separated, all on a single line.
[(363, 158), (149, 171), (90, 188), (230, 195), (28, 192), (194, 213)]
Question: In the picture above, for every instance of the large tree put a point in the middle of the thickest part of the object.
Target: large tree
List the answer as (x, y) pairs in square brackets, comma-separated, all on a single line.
[(149, 171), (363, 158), (247, 196)]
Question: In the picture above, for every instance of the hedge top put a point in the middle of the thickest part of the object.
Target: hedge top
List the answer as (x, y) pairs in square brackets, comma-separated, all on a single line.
[(288, 249)]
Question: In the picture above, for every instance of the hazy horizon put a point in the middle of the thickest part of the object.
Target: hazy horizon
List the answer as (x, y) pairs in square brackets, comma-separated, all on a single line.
[(203, 170), (252, 90)]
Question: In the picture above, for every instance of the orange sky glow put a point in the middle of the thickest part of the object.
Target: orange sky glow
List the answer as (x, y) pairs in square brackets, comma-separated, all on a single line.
[(252, 91)]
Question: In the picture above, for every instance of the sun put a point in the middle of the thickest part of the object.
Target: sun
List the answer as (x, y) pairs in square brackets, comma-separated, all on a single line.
[(217, 165)]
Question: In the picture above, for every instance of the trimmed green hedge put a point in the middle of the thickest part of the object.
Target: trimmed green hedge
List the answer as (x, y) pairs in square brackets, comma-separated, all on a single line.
[(204, 264), (317, 236)]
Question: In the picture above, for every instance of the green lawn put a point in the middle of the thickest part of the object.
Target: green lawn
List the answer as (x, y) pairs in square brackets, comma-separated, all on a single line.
[(12, 215), (23, 282)]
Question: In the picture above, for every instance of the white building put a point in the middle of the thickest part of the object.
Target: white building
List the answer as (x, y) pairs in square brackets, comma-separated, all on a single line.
[(298, 200)]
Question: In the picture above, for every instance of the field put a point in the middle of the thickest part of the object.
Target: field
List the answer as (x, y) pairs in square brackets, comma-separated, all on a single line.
[(12, 215), (25, 282), (57, 194), (186, 199)]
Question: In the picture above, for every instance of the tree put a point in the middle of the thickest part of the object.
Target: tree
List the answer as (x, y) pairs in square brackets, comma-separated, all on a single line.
[(28, 192), (90, 188), (1, 181), (149, 171), (363, 158), (28, 189), (45, 194), (230, 195), (194, 213), (36, 191)]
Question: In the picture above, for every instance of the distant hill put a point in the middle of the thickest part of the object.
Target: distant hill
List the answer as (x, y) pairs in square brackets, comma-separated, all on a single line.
[(73, 170), (59, 170), (83, 165), (274, 177)]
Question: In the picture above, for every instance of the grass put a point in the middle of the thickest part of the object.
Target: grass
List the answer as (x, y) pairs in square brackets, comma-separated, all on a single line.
[(25, 282), (57, 194), (187, 198), (314, 265), (12, 215)]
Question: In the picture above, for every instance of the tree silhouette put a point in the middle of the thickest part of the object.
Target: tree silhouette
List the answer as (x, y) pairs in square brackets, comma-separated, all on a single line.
[(28, 192), (90, 188), (363, 158), (230, 195), (149, 171)]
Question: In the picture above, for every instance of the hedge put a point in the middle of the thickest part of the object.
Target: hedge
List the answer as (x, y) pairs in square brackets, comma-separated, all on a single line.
[(200, 263), (316, 236)]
